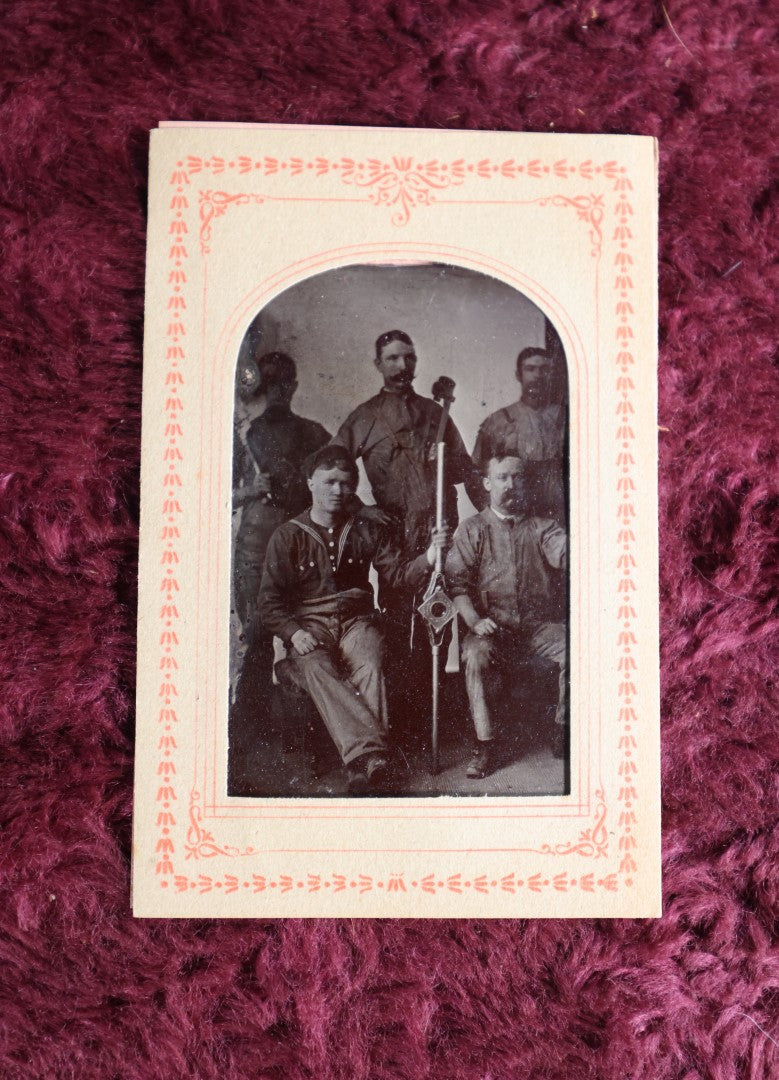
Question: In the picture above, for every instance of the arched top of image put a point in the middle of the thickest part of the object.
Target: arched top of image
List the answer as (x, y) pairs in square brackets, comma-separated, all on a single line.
[(464, 324)]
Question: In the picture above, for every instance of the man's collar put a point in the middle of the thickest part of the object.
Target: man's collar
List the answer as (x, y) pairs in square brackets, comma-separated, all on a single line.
[(306, 516), (408, 392), (275, 413), (502, 517), (507, 517)]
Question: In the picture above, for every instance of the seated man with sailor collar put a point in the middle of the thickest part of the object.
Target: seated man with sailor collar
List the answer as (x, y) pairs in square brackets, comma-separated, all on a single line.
[(317, 597)]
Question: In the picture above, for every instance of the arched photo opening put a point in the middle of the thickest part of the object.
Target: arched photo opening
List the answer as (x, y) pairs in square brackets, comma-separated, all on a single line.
[(318, 363)]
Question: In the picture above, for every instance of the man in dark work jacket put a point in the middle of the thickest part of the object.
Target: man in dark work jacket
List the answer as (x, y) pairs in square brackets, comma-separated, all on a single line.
[(269, 485), (505, 573), (394, 433), (317, 597)]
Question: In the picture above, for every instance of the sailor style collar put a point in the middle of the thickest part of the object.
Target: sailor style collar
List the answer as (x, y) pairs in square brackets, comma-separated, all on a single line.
[(334, 545)]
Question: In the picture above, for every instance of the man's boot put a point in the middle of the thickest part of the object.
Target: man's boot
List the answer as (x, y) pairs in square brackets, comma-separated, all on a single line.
[(480, 764)]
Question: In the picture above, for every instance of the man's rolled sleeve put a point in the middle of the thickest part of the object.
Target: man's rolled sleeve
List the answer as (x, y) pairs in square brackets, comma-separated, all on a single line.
[(461, 564), (554, 544)]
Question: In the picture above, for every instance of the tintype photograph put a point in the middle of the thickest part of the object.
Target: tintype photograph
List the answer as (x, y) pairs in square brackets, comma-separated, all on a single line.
[(399, 617)]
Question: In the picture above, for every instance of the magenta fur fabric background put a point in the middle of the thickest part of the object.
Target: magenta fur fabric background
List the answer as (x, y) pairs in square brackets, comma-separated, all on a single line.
[(86, 991)]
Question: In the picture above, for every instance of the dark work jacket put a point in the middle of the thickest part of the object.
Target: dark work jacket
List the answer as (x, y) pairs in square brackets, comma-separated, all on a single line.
[(310, 568), (394, 434), (280, 442)]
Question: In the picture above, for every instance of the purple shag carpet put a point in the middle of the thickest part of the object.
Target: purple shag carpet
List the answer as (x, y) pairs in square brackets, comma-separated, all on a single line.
[(87, 992)]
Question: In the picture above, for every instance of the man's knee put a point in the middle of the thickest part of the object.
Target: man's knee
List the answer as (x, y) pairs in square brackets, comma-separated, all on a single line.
[(549, 642), (298, 670), (364, 645)]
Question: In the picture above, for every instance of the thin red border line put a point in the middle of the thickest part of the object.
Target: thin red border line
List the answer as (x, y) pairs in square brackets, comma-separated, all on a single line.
[(390, 803), (408, 851), (491, 268), (395, 817), (196, 709), (598, 623), (221, 351), (218, 368)]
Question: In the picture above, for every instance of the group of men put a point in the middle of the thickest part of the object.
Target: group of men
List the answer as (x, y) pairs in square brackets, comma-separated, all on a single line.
[(306, 545)]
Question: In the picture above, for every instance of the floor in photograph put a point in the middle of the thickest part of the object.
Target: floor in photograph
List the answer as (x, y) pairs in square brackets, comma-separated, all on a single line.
[(278, 759)]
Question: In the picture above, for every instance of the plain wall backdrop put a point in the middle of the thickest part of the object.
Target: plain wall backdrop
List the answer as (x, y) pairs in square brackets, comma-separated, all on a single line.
[(464, 324)]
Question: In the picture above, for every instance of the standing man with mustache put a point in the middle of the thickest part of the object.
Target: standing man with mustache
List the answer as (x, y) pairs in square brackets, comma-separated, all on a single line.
[(394, 433), (534, 428)]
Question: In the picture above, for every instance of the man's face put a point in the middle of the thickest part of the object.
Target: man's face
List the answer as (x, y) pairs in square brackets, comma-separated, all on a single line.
[(279, 393), (507, 485), (536, 378), (331, 490), (397, 363)]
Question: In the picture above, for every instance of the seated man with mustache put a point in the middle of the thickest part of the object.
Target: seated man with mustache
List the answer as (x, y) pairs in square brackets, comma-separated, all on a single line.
[(317, 597), (505, 574)]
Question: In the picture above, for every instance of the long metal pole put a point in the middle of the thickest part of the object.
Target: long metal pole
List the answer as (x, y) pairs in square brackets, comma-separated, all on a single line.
[(434, 731), (439, 520), (439, 500)]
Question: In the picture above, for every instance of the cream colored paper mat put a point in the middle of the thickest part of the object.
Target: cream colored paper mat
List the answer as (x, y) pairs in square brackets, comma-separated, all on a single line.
[(237, 216)]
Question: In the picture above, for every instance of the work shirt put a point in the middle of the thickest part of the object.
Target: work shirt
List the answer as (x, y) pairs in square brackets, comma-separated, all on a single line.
[(511, 568), (313, 569), (534, 435), (280, 442), (394, 435)]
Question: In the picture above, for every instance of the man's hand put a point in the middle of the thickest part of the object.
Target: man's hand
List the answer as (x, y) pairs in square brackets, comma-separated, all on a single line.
[(303, 643), (263, 483), (258, 490), (371, 512), (441, 541), (484, 628)]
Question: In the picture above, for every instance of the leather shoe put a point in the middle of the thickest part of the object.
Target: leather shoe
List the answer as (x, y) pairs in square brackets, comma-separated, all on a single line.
[(376, 769), (367, 772), (480, 764), (357, 780)]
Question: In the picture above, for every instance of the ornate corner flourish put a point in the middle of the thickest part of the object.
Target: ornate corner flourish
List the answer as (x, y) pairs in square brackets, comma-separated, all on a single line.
[(200, 843), (214, 204)]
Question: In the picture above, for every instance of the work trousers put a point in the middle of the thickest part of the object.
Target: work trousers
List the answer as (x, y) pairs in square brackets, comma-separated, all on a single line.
[(489, 662), (345, 680)]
